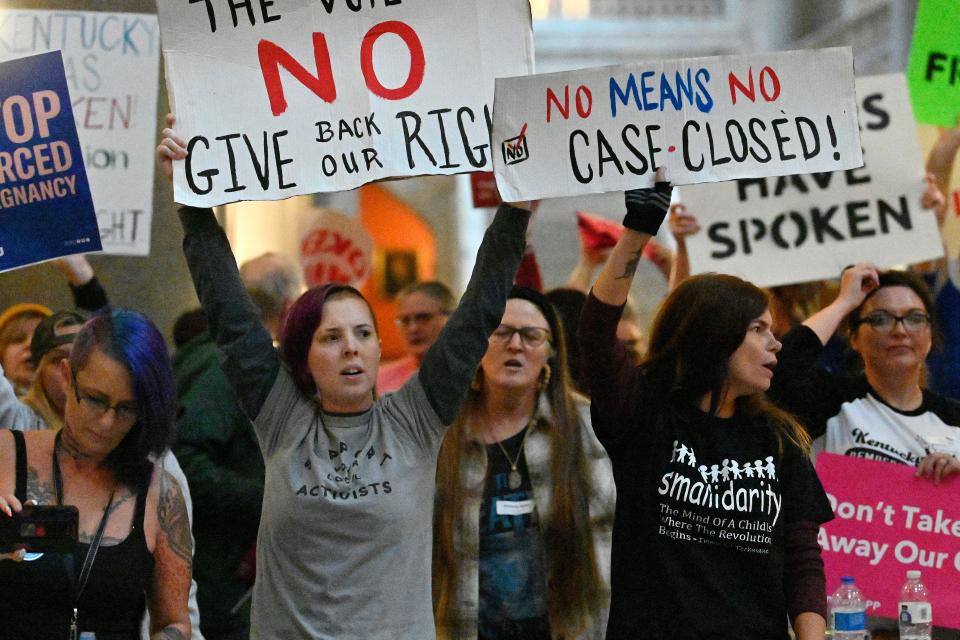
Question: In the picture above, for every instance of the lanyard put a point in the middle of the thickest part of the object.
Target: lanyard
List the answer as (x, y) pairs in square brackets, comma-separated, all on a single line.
[(94, 545)]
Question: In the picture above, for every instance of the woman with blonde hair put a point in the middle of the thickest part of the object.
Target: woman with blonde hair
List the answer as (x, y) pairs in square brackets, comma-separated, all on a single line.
[(525, 494)]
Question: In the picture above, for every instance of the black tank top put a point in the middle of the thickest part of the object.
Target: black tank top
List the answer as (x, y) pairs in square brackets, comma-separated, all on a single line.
[(36, 595)]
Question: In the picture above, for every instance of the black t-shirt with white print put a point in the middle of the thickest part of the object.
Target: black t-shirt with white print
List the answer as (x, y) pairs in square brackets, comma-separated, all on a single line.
[(705, 501), (846, 416)]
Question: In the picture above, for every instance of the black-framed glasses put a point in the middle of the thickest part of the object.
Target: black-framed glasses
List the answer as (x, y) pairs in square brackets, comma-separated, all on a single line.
[(530, 336), (97, 408), (884, 321), (419, 318)]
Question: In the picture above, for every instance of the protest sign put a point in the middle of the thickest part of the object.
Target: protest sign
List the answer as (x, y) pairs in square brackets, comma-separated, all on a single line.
[(305, 96), (112, 62), (934, 67), (704, 119), (775, 231), (887, 522), (45, 206), (335, 248)]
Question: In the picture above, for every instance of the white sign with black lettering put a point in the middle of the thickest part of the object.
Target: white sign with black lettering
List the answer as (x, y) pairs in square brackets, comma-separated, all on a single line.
[(790, 229)]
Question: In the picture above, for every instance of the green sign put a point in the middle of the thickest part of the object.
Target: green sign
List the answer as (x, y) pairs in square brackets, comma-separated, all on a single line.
[(934, 69)]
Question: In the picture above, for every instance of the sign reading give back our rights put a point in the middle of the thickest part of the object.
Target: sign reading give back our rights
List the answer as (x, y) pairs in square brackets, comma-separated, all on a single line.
[(704, 119), (289, 97)]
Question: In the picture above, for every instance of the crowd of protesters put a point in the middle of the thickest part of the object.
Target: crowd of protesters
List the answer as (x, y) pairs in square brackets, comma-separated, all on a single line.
[(512, 476)]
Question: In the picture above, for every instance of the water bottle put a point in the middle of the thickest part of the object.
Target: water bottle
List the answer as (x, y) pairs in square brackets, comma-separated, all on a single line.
[(848, 611), (916, 614)]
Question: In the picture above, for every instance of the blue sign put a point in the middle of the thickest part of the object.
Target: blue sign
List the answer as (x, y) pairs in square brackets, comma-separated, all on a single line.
[(45, 206)]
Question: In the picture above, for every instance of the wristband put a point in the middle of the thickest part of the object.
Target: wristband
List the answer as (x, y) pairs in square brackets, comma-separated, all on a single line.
[(647, 208)]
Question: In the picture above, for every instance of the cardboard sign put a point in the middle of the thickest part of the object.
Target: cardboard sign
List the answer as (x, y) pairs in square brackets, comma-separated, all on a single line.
[(111, 62), (704, 119), (888, 522), (934, 66), (335, 248), (304, 96), (45, 206), (775, 231)]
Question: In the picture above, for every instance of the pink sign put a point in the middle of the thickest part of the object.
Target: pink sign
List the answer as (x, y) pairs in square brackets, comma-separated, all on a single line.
[(888, 521)]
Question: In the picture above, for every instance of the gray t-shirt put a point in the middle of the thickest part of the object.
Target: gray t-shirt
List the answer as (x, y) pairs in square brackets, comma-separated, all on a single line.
[(345, 542), (334, 484)]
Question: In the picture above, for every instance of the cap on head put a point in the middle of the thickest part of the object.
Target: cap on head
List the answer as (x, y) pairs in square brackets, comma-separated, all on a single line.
[(47, 337)]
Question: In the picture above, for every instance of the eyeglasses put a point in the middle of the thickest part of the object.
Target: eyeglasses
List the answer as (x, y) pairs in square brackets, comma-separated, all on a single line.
[(97, 408), (884, 321), (530, 336), (419, 318)]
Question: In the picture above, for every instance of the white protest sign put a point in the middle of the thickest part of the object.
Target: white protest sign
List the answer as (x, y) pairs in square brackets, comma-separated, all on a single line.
[(290, 97), (704, 119), (112, 67), (791, 229)]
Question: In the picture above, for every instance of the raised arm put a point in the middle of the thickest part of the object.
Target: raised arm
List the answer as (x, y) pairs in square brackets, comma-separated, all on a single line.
[(88, 293), (610, 373), (682, 225), (449, 365), (855, 283), (251, 362), (646, 209)]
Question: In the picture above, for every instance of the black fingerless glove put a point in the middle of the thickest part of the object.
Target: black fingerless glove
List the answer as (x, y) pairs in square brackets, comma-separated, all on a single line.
[(646, 208)]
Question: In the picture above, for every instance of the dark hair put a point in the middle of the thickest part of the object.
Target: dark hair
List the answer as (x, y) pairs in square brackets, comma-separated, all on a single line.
[(188, 326), (132, 340), (574, 585), (569, 303), (433, 289), (302, 321), (912, 281), (698, 327)]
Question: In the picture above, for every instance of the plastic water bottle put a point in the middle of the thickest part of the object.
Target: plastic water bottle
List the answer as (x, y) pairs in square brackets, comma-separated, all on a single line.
[(849, 611), (916, 614)]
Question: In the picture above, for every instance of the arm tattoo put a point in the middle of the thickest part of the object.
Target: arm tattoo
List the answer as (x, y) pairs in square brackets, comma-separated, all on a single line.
[(173, 520), (631, 267), (37, 490), (169, 633)]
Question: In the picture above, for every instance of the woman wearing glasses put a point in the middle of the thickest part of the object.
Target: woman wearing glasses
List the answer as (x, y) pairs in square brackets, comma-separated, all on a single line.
[(134, 543), (525, 495), (885, 414)]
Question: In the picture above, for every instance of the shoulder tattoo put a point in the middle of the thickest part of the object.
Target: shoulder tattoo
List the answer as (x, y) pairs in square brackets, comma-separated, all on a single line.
[(172, 518)]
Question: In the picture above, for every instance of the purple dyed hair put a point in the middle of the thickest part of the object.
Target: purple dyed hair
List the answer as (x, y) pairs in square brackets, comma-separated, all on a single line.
[(132, 340), (302, 321)]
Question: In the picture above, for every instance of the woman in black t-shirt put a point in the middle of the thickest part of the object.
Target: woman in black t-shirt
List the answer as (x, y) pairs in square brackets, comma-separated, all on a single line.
[(717, 505)]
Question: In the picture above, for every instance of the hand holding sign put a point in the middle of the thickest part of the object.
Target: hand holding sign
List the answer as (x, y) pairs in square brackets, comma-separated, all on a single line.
[(172, 147)]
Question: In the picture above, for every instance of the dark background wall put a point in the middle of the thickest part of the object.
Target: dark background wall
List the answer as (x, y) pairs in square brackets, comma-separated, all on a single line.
[(159, 284)]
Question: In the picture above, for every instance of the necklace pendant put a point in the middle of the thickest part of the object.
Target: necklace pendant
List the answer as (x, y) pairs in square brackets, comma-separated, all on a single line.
[(514, 480)]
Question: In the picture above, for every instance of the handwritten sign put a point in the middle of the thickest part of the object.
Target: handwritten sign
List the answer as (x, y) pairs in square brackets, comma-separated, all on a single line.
[(775, 231), (45, 206), (111, 62), (887, 522), (934, 66), (305, 96), (704, 119)]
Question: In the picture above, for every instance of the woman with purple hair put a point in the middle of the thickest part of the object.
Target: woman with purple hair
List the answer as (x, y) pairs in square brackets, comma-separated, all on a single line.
[(134, 545), (344, 545)]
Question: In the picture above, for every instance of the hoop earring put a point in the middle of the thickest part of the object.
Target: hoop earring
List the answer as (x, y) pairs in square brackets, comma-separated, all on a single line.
[(476, 384), (544, 377)]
